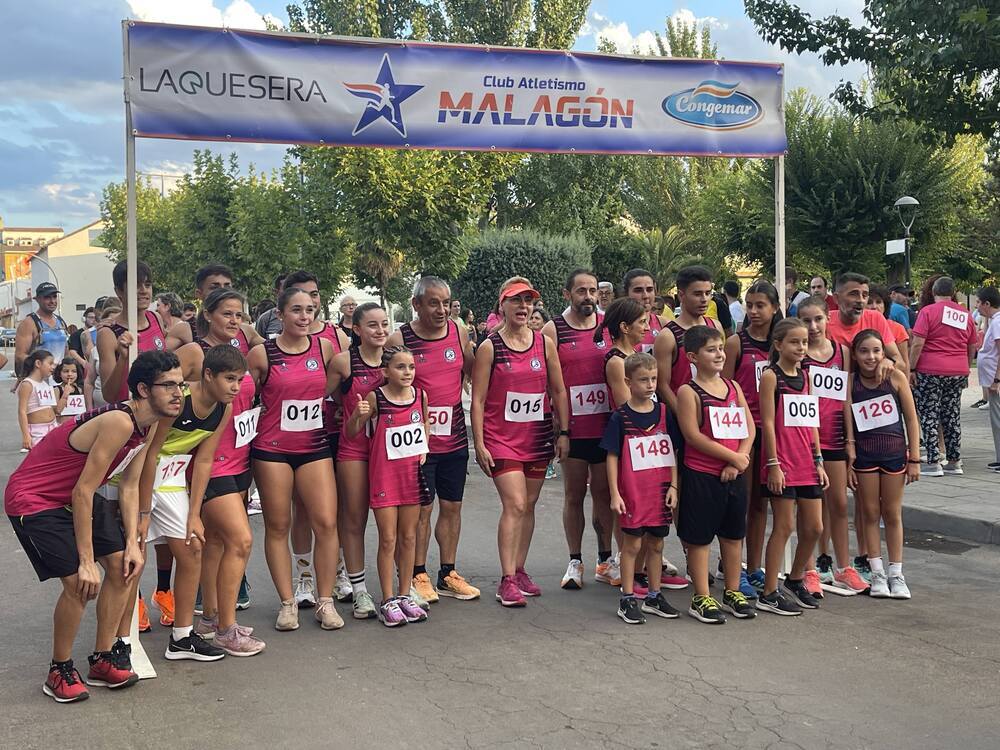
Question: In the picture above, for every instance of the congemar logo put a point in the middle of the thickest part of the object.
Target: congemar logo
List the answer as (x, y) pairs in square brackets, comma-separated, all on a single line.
[(715, 106)]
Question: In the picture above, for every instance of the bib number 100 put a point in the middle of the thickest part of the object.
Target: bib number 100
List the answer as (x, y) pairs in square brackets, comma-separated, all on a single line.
[(301, 416), (524, 407)]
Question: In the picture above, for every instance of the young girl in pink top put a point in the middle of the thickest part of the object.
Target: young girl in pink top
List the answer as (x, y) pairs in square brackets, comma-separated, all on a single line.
[(36, 399)]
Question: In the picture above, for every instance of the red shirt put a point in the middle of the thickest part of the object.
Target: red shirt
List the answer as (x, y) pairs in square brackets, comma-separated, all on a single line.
[(948, 331), (839, 333)]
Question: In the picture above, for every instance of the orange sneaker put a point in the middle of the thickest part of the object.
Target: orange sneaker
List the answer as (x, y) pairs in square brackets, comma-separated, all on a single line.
[(144, 626), (164, 601)]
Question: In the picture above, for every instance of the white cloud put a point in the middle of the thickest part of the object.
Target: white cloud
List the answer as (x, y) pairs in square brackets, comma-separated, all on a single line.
[(239, 14), (603, 29)]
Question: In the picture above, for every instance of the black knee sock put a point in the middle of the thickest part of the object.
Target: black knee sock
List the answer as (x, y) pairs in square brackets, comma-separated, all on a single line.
[(418, 569), (603, 555), (163, 579), (576, 556)]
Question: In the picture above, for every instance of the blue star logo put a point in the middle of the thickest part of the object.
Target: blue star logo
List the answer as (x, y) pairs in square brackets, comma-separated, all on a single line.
[(383, 98)]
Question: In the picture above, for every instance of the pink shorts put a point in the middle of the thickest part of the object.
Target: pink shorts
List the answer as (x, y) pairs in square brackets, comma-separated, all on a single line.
[(37, 431)]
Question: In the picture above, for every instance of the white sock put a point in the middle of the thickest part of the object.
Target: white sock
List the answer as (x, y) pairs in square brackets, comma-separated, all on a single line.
[(895, 569), (304, 563), (875, 563), (180, 633), (358, 581)]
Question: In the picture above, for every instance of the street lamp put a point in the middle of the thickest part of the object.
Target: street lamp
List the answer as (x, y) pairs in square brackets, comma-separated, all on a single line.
[(907, 208)]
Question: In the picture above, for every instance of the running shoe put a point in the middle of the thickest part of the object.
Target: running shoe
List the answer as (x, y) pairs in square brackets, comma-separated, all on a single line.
[(121, 654), (550, 472), (984, 407), (640, 585), (706, 609), (235, 642), (243, 597), (509, 593), (812, 583), (756, 579), (738, 605), (64, 684), (288, 616), (198, 608), (993, 466), (672, 581), (573, 578), (422, 583), (824, 565), (898, 588), (327, 615), (364, 606), (849, 579), (929, 469), (979, 403), (194, 647), (456, 587), (524, 583), (863, 568), (418, 599), (305, 592), (208, 628), (630, 612), (144, 626), (390, 614), (778, 604), (660, 607), (105, 673), (880, 585), (342, 589), (609, 572), (746, 588), (952, 468), (164, 601), (410, 609), (253, 507), (669, 568), (800, 594), (711, 578)]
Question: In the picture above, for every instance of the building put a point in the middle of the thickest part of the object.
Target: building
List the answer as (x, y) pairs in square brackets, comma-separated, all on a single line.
[(19, 244), (78, 266)]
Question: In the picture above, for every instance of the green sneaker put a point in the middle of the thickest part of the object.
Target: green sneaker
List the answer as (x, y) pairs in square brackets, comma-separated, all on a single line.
[(364, 606)]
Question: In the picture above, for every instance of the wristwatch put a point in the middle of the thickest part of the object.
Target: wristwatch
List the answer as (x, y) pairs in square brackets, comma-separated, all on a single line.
[(563, 433)]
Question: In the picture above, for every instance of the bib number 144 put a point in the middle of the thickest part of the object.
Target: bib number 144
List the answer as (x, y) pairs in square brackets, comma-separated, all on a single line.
[(728, 422)]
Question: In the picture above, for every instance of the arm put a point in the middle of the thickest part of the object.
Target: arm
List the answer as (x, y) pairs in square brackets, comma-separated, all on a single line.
[(61, 401), (257, 365), (664, 348), (557, 392), (902, 386), (892, 353), (746, 444), (824, 480), (178, 335), (23, 394), (480, 384), (254, 338), (468, 353), (24, 339), (775, 476), (200, 474), (732, 357), (427, 424), (191, 358), (366, 409), (852, 478), (614, 374), (915, 350), (337, 371), (617, 502), (128, 503), (113, 354), (147, 475)]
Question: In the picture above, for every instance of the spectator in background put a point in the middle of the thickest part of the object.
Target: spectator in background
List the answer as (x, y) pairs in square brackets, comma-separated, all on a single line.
[(43, 329), (899, 309), (820, 287), (605, 294), (880, 301), (76, 338), (944, 342), (732, 291), (538, 318), (718, 309), (262, 307), (455, 313), (988, 363), (659, 305), (793, 295), (170, 308), (188, 312), (268, 324)]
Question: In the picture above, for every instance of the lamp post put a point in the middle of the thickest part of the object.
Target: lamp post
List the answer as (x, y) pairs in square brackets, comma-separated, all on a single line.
[(907, 208)]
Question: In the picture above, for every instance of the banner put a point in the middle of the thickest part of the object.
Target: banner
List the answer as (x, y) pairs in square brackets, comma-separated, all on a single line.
[(226, 85)]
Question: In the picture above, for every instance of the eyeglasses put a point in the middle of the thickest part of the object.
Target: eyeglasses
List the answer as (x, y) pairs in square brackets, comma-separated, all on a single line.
[(168, 386)]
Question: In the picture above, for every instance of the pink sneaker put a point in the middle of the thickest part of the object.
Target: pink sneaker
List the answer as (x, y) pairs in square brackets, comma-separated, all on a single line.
[(410, 610), (235, 641), (508, 593), (390, 614), (525, 584), (670, 580), (849, 579), (812, 583), (640, 586)]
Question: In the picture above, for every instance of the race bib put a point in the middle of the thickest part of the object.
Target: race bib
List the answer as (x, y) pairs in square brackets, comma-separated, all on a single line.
[(955, 318), (875, 412), (651, 452), (245, 424), (301, 416), (75, 404), (801, 411), (439, 418), (646, 348), (826, 382), (45, 394), (170, 471), (589, 399), (728, 422), (405, 441), (758, 367), (123, 464), (524, 407)]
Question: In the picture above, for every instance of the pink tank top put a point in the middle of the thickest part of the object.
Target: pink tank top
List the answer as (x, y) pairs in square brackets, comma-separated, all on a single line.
[(795, 444), (582, 362), (642, 479), (754, 356), (694, 458), (292, 396), (395, 476), (612, 354), (831, 411), (34, 399), (331, 409), (439, 365), (151, 338), (364, 379), (230, 460), (680, 372), (517, 420), (46, 477)]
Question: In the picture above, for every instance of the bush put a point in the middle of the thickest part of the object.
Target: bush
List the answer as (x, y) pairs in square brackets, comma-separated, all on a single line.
[(496, 255)]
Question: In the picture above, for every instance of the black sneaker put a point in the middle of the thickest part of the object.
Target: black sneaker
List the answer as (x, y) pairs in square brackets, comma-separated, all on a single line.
[(659, 606), (737, 604), (979, 403), (193, 647), (824, 564), (778, 604), (800, 594), (121, 655), (628, 610), (706, 609)]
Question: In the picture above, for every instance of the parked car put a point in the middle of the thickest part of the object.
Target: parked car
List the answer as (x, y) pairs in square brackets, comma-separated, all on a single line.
[(7, 336)]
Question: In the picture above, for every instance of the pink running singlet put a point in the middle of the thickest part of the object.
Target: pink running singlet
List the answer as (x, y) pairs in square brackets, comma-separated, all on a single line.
[(831, 411), (439, 364), (292, 399), (646, 345), (230, 460), (331, 409), (582, 362), (151, 338), (607, 358), (680, 372), (694, 458), (395, 476), (643, 480), (794, 444), (754, 357)]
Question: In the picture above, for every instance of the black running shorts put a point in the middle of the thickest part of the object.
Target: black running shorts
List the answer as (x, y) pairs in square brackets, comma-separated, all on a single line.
[(446, 473), (711, 508)]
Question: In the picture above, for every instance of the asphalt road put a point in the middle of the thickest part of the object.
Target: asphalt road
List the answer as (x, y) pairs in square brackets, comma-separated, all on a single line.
[(564, 672)]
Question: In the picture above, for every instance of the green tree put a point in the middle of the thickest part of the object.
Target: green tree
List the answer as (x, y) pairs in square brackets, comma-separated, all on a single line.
[(497, 254), (936, 62), (665, 253)]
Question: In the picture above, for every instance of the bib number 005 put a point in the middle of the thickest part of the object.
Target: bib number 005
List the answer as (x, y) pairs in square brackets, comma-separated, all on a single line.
[(524, 407), (801, 411), (301, 416), (405, 441)]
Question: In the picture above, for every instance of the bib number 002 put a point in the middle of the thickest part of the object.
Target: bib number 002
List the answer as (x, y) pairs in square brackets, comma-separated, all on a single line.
[(405, 441)]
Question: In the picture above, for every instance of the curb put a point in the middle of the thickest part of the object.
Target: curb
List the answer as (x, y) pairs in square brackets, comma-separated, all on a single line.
[(947, 524)]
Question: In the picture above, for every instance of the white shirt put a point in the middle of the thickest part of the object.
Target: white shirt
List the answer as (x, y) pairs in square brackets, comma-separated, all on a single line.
[(736, 310), (989, 353)]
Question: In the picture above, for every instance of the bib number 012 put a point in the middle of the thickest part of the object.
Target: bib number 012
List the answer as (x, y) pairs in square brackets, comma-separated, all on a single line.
[(301, 416)]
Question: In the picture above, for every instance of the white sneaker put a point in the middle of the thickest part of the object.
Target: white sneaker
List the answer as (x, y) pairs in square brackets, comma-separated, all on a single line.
[(342, 588), (305, 592), (931, 470), (574, 576), (668, 567), (880, 585), (952, 467), (253, 507), (898, 588)]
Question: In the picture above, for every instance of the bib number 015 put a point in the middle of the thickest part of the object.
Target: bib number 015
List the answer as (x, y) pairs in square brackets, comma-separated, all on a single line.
[(524, 407)]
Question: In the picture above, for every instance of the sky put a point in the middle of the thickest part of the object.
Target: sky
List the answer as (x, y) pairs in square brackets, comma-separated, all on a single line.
[(61, 114)]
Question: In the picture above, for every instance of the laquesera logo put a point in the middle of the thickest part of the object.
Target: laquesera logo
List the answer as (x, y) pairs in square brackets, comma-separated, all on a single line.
[(714, 105)]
